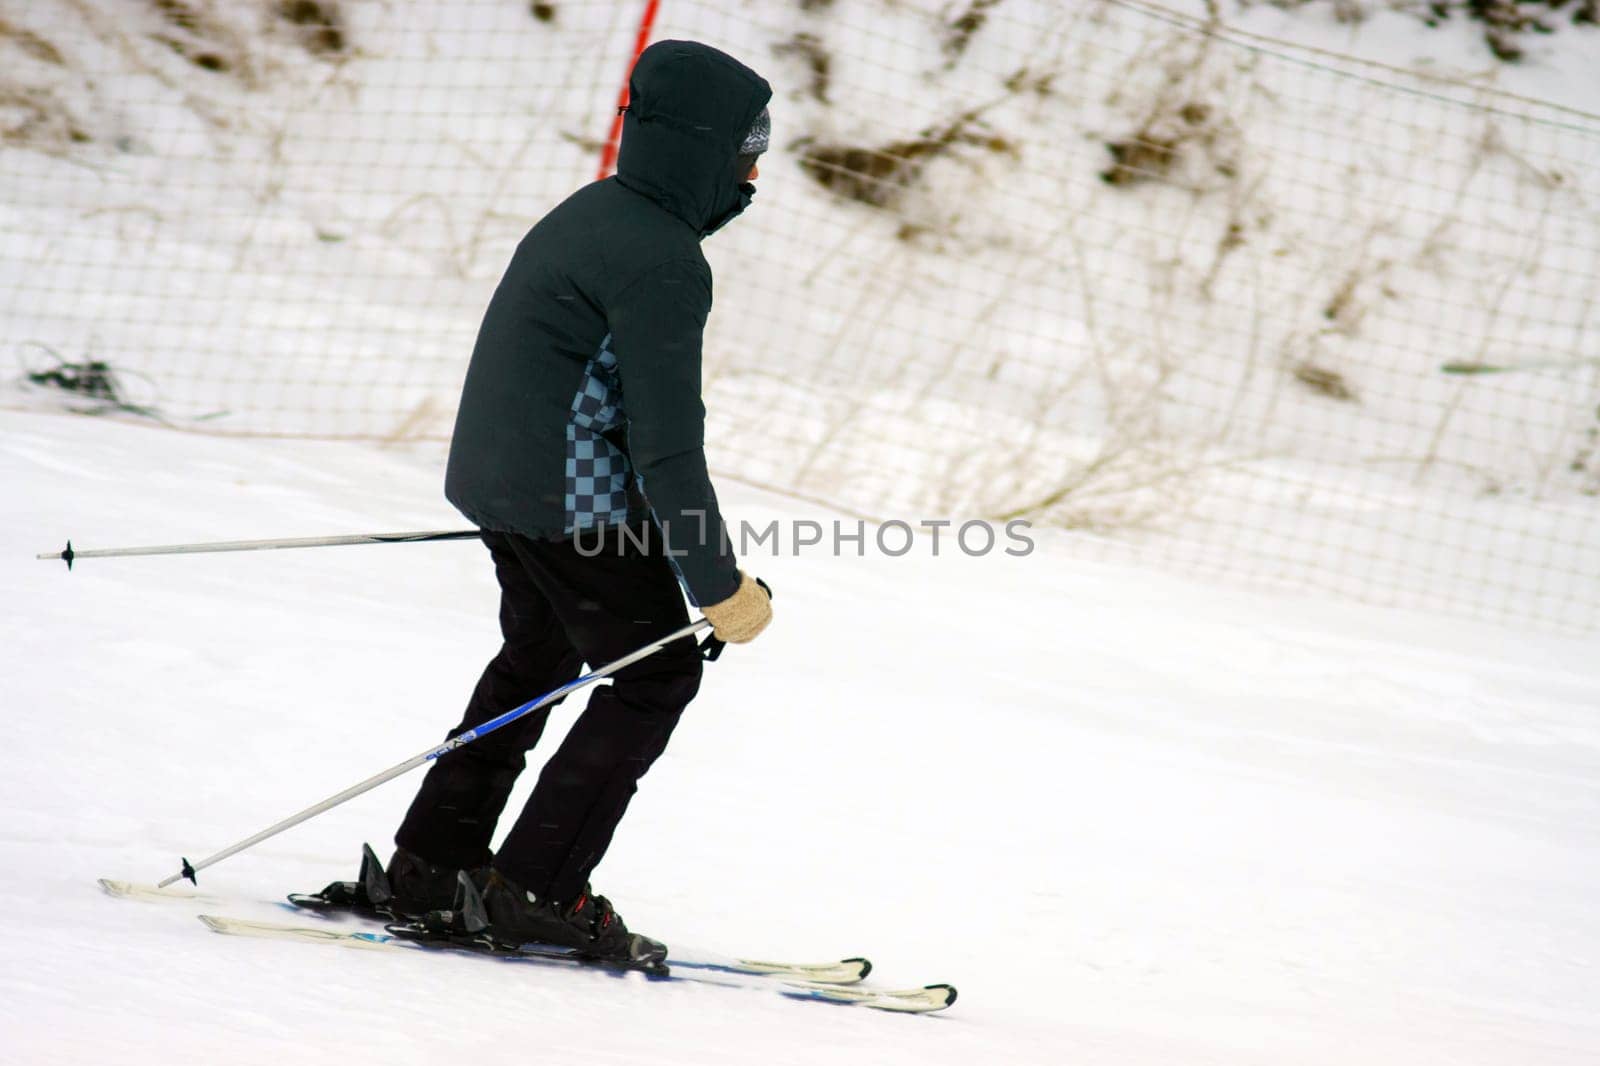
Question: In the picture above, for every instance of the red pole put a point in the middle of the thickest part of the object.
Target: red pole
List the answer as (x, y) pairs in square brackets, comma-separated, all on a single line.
[(608, 154)]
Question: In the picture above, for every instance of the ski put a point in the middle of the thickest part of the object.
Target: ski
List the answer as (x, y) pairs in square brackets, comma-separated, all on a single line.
[(706, 971), (370, 896), (843, 972), (135, 890)]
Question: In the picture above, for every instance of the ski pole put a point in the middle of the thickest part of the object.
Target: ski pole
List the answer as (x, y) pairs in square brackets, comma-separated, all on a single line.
[(259, 545), (190, 869)]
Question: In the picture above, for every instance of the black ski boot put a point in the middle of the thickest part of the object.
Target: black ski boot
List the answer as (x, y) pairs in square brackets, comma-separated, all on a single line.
[(410, 887), (420, 886), (368, 895), (589, 924)]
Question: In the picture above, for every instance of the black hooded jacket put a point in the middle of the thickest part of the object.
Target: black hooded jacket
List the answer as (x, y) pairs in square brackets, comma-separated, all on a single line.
[(582, 401)]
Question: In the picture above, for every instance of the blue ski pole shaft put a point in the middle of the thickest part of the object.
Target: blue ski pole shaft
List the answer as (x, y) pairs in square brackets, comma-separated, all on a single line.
[(189, 869)]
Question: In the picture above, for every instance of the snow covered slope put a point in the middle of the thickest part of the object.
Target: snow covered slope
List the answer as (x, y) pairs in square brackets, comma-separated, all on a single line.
[(1096, 263), (1136, 820)]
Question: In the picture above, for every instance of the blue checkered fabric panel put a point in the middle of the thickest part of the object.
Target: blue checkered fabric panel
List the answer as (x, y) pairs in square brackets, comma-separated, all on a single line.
[(597, 471)]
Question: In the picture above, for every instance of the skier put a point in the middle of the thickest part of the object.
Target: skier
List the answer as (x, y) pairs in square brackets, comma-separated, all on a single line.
[(577, 451)]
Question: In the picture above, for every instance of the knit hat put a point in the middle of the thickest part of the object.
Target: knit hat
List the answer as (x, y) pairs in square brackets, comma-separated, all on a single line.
[(760, 135)]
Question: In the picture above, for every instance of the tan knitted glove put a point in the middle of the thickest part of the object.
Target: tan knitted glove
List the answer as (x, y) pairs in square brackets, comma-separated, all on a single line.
[(742, 616)]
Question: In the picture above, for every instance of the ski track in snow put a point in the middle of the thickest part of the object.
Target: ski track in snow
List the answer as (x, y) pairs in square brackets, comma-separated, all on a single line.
[(1134, 819)]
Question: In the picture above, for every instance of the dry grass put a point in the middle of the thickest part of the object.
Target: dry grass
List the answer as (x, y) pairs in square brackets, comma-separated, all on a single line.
[(319, 25), (33, 115), (808, 47), (193, 34), (1505, 22), (30, 43), (37, 119), (1143, 157), (878, 176), (961, 30), (1154, 152), (1323, 382), (195, 30)]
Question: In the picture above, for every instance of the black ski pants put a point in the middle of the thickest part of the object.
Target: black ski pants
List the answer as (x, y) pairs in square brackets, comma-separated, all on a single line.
[(561, 608)]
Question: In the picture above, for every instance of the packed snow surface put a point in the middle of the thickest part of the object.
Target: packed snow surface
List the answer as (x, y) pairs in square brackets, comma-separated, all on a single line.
[(1135, 819)]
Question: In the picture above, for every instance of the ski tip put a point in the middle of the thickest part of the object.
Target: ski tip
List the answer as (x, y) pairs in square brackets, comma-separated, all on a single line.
[(136, 889), (864, 965), (949, 992), (144, 890)]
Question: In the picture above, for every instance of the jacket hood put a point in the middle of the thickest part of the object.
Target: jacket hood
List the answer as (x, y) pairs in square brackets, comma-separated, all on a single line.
[(689, 108)]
